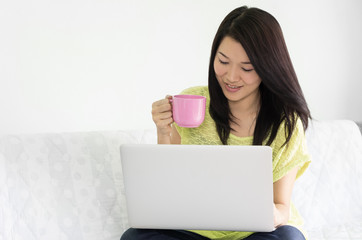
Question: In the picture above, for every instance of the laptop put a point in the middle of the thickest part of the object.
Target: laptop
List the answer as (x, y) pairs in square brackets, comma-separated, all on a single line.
[(198, 187)]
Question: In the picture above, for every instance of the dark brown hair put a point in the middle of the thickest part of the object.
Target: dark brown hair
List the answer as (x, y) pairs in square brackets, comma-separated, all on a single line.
[(282, 98)]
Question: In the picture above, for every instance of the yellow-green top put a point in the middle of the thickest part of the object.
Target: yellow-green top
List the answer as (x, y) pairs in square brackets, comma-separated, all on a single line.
[(294, 154)]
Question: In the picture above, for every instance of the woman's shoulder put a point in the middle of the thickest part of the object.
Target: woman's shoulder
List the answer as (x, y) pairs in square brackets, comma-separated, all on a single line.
[(197, 90), (296, 134)]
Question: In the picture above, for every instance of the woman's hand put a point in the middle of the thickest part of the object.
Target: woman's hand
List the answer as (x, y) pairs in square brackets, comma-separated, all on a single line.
[(281, 215), (162, 117)]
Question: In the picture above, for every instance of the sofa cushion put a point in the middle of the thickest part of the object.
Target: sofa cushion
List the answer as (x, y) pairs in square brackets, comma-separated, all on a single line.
[(329, 194), (64, 186)]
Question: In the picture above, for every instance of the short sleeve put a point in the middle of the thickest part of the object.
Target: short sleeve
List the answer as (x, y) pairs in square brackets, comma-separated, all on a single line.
[(293, 154)]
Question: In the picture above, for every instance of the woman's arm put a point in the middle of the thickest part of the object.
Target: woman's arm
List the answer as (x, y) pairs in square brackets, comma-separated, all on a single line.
[(175, 136), (282, 194)]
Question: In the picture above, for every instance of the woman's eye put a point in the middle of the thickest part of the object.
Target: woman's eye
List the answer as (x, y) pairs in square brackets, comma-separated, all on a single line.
[(222, 62), (247, 70)]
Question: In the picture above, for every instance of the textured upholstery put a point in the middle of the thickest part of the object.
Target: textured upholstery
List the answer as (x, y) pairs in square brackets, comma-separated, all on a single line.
[(329, 194), (70, 186)]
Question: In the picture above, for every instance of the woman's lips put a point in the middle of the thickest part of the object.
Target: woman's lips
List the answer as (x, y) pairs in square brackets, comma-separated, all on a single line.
[(232, 88)]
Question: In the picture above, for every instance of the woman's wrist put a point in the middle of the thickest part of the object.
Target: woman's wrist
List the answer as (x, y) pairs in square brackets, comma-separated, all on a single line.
[(281, 215), (163, 138)]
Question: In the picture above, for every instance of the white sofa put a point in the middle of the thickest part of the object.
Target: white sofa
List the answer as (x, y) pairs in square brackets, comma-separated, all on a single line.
[(69, 185)]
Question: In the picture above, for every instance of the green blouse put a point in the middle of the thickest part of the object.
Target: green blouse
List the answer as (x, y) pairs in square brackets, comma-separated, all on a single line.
[(294, 154)]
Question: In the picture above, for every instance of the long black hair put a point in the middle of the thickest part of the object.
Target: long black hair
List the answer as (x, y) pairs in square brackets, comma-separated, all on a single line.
[(281, 96)]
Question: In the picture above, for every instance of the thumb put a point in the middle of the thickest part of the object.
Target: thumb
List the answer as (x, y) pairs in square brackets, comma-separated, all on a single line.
[(169, 97)]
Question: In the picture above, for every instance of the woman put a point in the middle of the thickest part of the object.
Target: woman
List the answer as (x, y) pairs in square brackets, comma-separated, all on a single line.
[(253, 98)]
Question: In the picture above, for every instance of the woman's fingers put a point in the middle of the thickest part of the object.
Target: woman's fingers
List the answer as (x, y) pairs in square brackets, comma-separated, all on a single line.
[(162, 114)]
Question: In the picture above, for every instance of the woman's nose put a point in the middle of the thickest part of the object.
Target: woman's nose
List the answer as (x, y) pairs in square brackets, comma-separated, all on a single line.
[(233, 74)]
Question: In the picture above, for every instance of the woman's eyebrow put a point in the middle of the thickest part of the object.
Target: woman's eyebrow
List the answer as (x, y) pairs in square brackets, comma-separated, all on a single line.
[(246, 62), (223, 55)]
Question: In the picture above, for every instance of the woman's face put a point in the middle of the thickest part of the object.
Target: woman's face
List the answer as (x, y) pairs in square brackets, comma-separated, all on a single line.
[(234, 72)]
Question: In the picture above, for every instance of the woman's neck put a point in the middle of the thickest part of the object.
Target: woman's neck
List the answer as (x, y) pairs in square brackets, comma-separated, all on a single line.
[(244, 116), (247, 107)]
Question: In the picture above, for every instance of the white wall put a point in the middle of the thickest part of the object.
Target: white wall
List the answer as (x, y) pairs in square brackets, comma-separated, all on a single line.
[(80, 65)]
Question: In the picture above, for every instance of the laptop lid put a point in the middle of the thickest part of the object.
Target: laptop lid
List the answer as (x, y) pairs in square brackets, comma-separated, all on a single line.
[(198, 187)]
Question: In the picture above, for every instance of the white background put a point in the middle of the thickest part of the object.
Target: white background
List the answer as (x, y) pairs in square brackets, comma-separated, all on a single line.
[(84, 65)]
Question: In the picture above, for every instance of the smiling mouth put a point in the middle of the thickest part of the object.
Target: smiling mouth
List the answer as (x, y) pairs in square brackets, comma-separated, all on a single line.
[(232, 86)]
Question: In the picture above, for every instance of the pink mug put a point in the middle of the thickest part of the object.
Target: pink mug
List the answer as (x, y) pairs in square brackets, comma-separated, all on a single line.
[(188, 110)]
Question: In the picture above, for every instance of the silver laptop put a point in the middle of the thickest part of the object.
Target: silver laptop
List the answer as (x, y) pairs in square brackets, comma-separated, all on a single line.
[(198, 187)]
